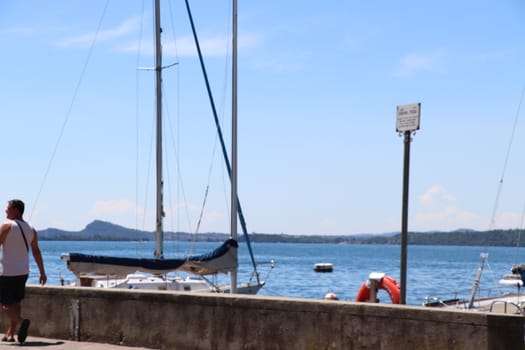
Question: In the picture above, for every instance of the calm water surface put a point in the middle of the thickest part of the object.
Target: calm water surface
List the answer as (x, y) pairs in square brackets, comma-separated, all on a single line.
[(431, 269)]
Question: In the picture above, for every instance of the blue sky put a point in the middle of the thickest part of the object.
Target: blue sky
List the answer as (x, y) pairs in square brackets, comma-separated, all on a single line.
[(318, 88)]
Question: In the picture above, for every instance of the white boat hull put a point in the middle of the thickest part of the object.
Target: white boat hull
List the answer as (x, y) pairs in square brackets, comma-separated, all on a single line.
[(182, 284)]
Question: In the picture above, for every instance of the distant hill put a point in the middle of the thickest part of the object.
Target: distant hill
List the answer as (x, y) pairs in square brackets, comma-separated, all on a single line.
[(106, 231), (97, 230), (494, 238)]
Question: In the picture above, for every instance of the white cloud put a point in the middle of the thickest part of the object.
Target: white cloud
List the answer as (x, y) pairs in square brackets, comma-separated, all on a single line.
[(128, 26), (448, 218), (113, 206), (417, 61), (185, 46), (438, 210), (436, 195)]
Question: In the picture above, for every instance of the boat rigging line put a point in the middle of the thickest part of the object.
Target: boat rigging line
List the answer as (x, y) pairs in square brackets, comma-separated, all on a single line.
[(137, 115), (484, 256), (221, 139), (520, 228), (507, 155), (70, 109)]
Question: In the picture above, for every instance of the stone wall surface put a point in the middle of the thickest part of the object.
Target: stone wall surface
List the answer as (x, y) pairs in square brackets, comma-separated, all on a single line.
[(169, 320)]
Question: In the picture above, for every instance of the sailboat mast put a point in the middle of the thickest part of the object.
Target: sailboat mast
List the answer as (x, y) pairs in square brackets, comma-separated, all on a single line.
[(475, 285), (233, 212), (158, 72)]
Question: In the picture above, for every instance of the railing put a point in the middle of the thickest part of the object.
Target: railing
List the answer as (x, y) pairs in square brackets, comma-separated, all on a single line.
[(506, 307), (459, 298)]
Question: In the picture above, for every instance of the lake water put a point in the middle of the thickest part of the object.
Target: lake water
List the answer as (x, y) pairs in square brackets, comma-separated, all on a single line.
[(431, 269)]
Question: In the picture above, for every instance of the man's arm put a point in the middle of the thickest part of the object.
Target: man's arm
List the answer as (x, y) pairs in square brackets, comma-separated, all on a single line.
[(38, 257), (4, 229)]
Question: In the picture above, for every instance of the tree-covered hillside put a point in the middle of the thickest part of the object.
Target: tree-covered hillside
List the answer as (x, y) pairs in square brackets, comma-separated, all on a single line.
[(100, 230)]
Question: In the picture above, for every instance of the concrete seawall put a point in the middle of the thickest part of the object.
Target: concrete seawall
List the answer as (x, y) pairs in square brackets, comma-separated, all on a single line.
[(167, 320)]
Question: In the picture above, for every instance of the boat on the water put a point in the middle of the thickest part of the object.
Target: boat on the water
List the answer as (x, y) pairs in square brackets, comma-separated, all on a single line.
[(121, 272), (500, 299), (323, 267), (153, 273), (506, 297)]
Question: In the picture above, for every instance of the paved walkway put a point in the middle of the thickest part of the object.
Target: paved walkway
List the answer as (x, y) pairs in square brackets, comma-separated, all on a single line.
[(55, 344)]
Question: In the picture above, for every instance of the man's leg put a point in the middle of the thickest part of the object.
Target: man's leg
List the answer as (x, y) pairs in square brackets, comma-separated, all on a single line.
[(13, 312)]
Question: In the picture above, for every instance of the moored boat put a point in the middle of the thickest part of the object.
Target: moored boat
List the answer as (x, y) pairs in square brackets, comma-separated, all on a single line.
[(499, 299), (121, 272), (323, 267), (504, 301)]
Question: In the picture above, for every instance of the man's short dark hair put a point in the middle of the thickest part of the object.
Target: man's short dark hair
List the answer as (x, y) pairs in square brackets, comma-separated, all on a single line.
[(18, 204)]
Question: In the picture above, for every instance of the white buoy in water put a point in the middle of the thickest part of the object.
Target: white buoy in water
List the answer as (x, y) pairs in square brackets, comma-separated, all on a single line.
[(331, 296), (323, 267)]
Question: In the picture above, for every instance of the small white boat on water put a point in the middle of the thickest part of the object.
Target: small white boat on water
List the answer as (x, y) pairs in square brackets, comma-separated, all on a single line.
[(323, 267)]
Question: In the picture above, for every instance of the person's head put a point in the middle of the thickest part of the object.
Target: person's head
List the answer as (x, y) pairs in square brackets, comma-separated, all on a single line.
[(15, 209)]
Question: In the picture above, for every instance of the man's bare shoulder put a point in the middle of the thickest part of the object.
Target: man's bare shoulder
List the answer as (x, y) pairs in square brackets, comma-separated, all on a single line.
[(4, 229), (6, 224)]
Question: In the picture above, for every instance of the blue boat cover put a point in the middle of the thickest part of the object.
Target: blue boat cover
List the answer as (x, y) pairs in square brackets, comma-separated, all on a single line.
[(223, 260)]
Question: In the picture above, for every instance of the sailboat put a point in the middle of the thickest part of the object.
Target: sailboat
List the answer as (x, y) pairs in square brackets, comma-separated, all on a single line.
[(123, 272), (496, 299)]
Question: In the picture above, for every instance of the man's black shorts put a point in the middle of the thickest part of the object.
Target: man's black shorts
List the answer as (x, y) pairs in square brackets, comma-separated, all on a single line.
[(12, 289)]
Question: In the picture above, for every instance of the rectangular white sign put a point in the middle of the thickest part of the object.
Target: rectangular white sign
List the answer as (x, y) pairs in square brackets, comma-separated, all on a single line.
[(408, 117)]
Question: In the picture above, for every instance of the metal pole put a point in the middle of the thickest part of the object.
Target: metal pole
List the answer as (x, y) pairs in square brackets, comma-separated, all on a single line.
[(242, 221), (404, 220), (158, 69), (233, 228), (484, 257)]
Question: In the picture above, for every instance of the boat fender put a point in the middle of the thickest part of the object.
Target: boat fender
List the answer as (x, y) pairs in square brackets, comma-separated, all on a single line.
[(331, 296)]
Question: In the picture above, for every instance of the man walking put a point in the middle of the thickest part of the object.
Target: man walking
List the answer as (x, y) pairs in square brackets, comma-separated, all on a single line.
[(16, 237)]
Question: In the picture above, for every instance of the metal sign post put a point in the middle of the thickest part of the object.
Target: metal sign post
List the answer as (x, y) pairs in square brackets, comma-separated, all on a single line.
[(408, 117)]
